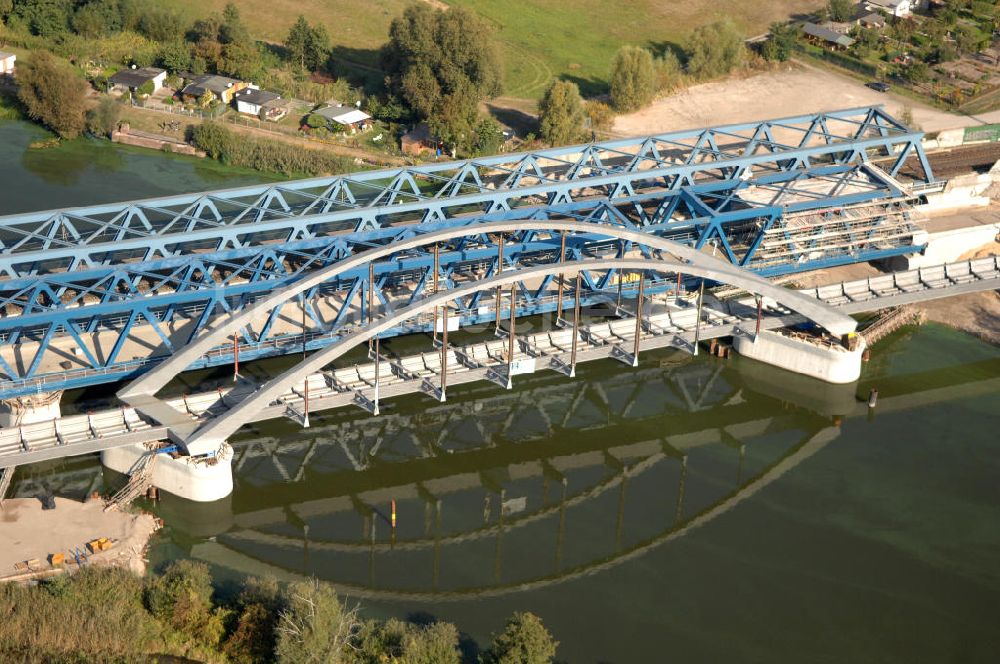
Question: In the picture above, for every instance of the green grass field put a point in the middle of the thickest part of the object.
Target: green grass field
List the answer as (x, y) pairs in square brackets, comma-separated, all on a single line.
[(541, 38)]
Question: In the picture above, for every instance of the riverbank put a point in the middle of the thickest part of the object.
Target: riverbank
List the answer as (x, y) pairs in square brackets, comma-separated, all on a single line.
[(30, 535)]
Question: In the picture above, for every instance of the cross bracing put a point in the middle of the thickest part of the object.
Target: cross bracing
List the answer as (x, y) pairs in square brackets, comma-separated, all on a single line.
[(236, 218), (164, 265)]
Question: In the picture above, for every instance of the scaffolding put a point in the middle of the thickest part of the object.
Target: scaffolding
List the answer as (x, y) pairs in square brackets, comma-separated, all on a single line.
[(844, 231)]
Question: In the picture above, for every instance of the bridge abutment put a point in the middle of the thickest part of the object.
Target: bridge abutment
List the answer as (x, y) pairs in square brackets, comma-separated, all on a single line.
[(829, 362), (202, 479), (30, 409)]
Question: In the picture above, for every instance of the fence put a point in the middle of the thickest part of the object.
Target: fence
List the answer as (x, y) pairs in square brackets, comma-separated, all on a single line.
[(180, 109)]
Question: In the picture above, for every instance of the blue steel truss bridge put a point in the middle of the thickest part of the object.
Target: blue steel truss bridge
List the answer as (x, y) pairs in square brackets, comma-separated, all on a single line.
[(103, 293)]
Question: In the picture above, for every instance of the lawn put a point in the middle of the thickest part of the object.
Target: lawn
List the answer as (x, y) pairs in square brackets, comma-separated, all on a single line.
[(541, 38)]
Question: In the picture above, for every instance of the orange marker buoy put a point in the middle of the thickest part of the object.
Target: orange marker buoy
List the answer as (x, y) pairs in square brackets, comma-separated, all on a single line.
[(393, 519)]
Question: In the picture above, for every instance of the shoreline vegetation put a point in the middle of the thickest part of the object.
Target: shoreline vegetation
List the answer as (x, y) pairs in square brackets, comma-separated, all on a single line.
[(112, 615)]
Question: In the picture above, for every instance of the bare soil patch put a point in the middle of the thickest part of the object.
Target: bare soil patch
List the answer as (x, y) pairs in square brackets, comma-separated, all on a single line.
[(794, 89)]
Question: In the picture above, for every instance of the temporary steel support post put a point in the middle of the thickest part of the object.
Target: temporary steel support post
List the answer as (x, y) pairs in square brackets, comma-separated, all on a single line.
[(499, 289), (760, 316), (697, 322), (576, 327), (434, 280), (562, 277), (638, 319), (444, 353), (378, 374), (510, 336)]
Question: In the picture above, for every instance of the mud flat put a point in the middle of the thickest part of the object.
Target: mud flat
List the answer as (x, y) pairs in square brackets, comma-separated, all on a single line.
[(29, 533)]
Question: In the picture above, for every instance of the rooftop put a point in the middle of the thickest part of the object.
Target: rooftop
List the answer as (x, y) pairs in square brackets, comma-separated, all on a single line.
[(827, 35), (256, 97), (133, 78), (211, 82), (344, 115)]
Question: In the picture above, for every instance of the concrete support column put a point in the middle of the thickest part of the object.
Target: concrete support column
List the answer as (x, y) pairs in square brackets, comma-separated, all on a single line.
[(29, 409), (201, 479)]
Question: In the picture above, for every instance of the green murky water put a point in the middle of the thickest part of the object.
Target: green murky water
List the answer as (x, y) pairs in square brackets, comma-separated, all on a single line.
[(688, 510)]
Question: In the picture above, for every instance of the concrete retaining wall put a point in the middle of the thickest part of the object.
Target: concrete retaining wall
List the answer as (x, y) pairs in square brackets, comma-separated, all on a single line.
[(155, 143), (832, 365), (200, 480)]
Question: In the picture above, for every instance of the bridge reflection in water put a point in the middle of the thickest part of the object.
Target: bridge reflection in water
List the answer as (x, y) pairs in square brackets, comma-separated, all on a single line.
[(501, 492), (498, 493)]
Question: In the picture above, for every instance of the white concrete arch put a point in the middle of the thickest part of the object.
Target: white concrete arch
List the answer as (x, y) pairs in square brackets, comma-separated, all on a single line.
[(820, 313), (217, 430)]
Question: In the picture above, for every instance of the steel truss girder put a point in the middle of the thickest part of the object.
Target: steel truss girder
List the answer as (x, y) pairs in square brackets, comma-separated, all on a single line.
[(144, 230)]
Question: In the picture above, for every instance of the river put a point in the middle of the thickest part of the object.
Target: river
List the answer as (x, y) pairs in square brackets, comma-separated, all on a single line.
[(687, 510)]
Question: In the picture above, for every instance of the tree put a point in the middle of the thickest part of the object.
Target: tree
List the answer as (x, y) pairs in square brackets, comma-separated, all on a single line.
[(560, 113), (781, 43), (917, 72), (45, 18), (314, 626), (488, 136), (175, 56), (840, 10), (161, 24), (257, 607), (146, 89), (715, 49), (52, 93), (182, 598), (317, 47), (443, 64), (524, 640), (297, 41), (103, 118), (668, 71), (633, 79), (232, 29)]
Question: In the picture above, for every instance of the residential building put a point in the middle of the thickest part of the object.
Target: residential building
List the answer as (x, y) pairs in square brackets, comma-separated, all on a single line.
[(222, 88), (351, 118), (826, 36), (897, 8), (874, 21), (7, 63), (260, 103), (133, 79)]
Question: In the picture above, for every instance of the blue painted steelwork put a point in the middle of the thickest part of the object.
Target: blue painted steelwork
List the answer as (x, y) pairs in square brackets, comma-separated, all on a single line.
[(110, 268)]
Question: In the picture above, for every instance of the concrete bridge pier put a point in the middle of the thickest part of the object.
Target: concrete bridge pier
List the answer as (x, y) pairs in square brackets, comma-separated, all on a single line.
[(824, 359), (204, 478), (41, 407)]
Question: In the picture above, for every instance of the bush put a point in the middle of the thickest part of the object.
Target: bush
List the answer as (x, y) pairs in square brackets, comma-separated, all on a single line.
[(715, 49), (264, 154), (182, 598), (560, 113), (146, 89), (103, 118), (601, 116), (524, 640), (52, 93), (633, 79), (314, 626)]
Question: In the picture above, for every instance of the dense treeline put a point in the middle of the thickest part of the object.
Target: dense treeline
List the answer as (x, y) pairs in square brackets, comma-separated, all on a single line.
[(265, 155), (112, 615)]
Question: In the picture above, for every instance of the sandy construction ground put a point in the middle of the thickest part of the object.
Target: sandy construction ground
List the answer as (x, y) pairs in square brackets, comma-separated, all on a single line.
[(792, 90), (27, 531)]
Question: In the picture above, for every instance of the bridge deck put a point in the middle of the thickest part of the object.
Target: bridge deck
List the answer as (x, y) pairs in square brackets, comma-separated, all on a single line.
[(667, 327)]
